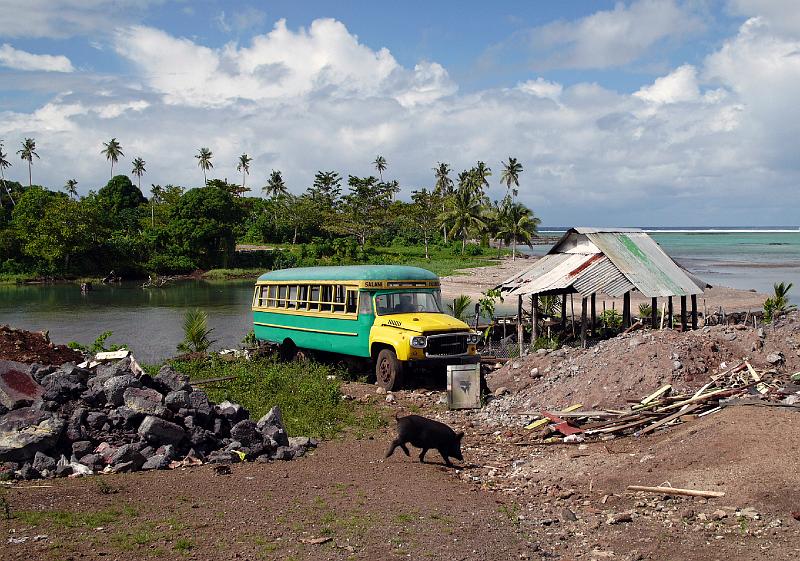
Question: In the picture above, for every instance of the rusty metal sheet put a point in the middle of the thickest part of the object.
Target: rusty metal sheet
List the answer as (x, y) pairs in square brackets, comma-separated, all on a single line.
[(642, 261), (551, 272)]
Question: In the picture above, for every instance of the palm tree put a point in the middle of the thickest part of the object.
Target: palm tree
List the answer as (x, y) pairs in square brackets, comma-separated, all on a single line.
[(112, 152), (518, 225), (71, 188), (138, 170), (4, 163), (244, 167), (510, 175), (482, 172), (156, 196), (27, 153), (444, 188), (380, 165), (204, 156), (275, 186), (466, 214)]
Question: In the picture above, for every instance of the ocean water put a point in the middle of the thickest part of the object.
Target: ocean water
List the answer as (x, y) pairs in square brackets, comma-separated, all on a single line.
[(745, 258)]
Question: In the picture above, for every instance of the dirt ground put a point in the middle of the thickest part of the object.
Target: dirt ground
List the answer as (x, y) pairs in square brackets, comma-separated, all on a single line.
[(510, 499)]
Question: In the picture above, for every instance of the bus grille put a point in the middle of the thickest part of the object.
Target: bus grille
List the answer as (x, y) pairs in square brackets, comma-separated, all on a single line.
[(447, 345)]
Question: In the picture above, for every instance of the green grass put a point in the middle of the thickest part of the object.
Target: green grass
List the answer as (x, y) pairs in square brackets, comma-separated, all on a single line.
[(229, 274), (311, 404)]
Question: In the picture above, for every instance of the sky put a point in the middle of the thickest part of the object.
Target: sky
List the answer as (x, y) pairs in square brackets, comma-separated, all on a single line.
[(629, 113)]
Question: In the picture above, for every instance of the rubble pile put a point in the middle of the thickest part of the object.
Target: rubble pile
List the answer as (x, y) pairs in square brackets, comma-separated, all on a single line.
[(63, 420), (34, 347)]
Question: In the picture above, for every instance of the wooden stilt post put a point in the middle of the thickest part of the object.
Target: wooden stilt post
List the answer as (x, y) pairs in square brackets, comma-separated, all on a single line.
[(534, 318), (477, 315), (626, 310), (683, 313), (669, 312), (564, 314), (594, 312), (584, 326), (653, 312), (520, 330), (572, 313), (694, 311)]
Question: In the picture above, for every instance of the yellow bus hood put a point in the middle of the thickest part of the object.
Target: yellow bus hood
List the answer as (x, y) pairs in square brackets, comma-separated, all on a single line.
[(423, 322)]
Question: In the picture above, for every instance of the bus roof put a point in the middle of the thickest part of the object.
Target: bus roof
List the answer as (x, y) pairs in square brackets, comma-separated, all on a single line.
[(350, 273)]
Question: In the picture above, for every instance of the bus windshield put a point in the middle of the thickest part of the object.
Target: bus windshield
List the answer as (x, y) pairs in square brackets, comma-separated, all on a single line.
[(407, 302)]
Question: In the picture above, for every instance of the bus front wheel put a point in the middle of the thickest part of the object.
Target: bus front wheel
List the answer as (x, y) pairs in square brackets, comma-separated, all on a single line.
[(388, 370)]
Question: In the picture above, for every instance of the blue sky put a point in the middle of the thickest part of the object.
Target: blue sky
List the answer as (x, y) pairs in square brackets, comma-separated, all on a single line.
[(656, 112)]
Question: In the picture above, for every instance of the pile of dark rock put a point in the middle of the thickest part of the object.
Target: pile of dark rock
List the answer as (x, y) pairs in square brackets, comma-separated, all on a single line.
[(60, 421)]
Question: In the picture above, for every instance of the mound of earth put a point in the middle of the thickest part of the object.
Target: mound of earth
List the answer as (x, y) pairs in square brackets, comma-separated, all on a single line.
[(34, 348), (632, 366)]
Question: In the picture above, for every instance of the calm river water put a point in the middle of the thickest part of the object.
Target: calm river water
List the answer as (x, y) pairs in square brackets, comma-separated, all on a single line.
[(148, 320)]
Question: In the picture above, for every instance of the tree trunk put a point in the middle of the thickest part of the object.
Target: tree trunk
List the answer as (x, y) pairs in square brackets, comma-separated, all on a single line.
[(426, 247), (205, 179), (112, 169), (514, 249), (464, 243), (444, 225), (294, 239), (30, 176)]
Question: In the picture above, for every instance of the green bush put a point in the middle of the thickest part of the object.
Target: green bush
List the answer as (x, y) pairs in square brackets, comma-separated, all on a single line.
[(310, 402), (611, 319)]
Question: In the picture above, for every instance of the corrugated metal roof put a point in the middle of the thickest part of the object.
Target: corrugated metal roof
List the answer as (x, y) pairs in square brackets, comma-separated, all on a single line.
[(603, 276), (552, 272), (620, 259), (644, 263)]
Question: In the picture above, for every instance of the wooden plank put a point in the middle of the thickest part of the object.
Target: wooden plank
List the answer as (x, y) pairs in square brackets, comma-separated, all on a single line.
[(537, 424), (650, 428), (761, 387), (677, 491), (660, 391)]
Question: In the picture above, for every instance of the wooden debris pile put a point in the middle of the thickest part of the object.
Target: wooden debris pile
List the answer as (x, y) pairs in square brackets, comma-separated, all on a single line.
[(740, 385)]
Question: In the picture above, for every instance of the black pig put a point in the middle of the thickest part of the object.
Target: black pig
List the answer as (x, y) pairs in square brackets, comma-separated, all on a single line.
[(426, 434)]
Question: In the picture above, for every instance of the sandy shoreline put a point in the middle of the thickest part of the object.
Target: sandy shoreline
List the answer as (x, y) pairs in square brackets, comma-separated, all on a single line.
[(477, 280)]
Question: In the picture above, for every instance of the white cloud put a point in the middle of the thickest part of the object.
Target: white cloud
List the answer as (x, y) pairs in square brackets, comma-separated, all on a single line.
[(66, 18), (700, 143), (612, 37), (241, 20), (21, 60), (782, 15), (282, 64), (679, 85), (542, 88)]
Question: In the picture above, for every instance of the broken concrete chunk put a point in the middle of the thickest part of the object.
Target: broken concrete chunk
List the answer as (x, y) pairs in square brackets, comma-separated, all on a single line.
[(17, 387), (28, 430), (144, 400), (115, 387), (157, 430)]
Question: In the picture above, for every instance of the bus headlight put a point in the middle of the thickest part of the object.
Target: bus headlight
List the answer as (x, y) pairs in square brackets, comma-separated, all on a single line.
[(474, 338), (418, 342)]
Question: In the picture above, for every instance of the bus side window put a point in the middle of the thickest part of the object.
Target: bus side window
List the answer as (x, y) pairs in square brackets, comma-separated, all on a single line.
[(327, 298), (261, 296), (313, 300), (292, 303), (338, 298), (271, 295), (302, 300), (365, 303), (281, 302), (352, 299)]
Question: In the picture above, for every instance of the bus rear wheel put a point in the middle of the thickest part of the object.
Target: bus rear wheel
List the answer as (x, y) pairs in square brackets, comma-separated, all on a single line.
[(388, 370)]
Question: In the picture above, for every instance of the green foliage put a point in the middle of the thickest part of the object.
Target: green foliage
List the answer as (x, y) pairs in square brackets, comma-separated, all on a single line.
[(778, 304), (250, 341), (98, 346), (611, 319), (549, 305), (195, 332), (460, 307), (310, 402), (543, 342), (120, 194), (486, 304)]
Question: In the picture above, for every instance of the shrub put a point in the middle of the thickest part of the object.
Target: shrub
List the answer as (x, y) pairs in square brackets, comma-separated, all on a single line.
[(195, 332), (611, 319)]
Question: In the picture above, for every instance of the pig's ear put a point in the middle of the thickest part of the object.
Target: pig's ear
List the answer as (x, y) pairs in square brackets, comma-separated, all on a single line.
[(460, 435)]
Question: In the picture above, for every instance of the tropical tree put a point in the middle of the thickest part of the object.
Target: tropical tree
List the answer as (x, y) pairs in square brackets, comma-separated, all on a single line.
[(482, 173), (518, 225), (466, 214), (70, 187), (425, 213), (778, 303), (510, 175), (444, 188), (195, 332), (4, 163), (380, 165), (112, 151), (365, 209), (156, 196), (244, 167), (326, 189), (204, 157), (27, 153), (275, 186), (138, 170), (460, 307)]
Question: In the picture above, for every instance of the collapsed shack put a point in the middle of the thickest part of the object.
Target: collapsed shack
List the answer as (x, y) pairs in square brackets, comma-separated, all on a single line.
[(614, 262), (113, 417)]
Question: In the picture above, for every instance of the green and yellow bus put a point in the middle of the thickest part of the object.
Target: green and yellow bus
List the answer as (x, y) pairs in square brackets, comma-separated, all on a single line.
[(389, 314)]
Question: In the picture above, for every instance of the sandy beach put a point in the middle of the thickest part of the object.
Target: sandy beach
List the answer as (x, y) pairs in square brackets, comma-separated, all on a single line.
[(474, 282)]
